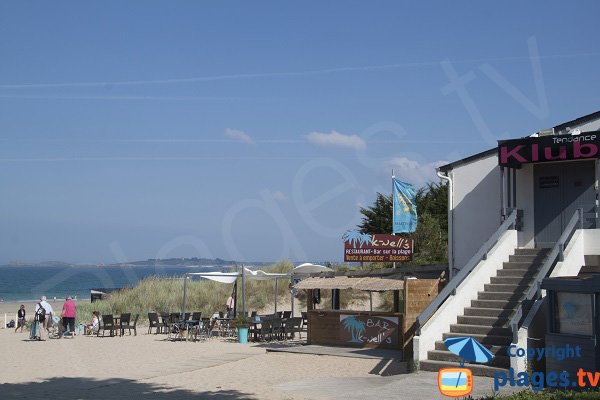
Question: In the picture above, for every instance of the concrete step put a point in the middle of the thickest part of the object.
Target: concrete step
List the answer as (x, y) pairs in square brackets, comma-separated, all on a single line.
[(517, 272), (483, 339), (499, 296), (496, 350), (482, 320), (512, 280), (477, 369), (488, 312), (502, 361), (480, 330), (500, 287), (521, 265), (538, 258), (503, 304), (529, 252)]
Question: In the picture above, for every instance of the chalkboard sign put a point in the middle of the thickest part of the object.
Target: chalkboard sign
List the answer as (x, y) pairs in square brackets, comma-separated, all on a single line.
[(368, 329)]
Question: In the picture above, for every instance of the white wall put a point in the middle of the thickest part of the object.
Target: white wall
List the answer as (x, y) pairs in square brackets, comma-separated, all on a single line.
[(477, 203)]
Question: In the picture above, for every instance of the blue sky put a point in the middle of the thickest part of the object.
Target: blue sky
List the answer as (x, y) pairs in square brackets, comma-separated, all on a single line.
[(255, 130)]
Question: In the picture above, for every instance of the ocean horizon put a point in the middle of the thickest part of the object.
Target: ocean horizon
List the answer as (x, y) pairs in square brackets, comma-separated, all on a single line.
[(29, 283)]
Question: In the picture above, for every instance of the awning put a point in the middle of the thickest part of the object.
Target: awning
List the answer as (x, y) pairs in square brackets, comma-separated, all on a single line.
[(309, 268), (230, 277), (344, 282)]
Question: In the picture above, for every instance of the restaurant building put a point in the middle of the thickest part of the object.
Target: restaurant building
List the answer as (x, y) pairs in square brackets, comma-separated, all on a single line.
[(518, 213)]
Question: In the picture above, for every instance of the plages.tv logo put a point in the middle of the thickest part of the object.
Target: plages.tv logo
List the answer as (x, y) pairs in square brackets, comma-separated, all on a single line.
[(458, 382)]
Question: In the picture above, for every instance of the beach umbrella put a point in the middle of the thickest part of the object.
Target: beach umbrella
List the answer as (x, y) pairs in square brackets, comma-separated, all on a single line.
[(469, 349)]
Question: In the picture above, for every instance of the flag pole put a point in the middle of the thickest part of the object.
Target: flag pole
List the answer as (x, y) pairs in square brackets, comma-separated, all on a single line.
[(393, 209)]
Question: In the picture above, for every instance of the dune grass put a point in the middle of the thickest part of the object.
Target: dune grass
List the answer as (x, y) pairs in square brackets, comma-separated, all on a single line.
[(166, 295)]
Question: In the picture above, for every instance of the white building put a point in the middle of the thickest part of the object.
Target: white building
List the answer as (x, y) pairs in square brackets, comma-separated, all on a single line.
[(508, 208)]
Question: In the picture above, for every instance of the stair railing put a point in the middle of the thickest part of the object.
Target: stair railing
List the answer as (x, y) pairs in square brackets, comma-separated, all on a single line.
[(556, 255), (450, 289)]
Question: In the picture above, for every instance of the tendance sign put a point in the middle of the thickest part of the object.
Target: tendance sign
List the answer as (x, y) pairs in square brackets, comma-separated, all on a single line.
[(361, 247)]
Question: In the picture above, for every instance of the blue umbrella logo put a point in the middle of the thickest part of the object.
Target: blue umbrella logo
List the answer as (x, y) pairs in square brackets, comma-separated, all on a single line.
[(469, 349)]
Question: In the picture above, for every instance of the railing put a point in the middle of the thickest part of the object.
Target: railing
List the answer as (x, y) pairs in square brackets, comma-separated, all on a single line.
[(556, 254), (450, 289)]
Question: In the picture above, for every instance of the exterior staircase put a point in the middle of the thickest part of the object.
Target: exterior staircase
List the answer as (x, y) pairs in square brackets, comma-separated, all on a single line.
[(487, 320)]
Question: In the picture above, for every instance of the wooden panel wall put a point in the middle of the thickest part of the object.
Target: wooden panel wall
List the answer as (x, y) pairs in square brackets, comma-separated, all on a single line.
[(418, 293)]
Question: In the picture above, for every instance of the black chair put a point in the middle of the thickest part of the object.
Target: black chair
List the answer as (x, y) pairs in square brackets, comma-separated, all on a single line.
[(305, 322), (197, 316), (186, 316), (253, 314), (277, 328), (128, 325), (153, 322), (265, 330), (108, 324), (165, 321), (124, 320), (287, 314), (293, 326)]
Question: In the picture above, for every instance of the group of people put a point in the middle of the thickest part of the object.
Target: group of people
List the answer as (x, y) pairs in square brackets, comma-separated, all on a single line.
[(45, 317)]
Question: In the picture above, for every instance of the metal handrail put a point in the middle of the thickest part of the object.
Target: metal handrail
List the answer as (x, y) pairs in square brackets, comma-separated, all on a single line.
[(450, 288), (556, 254)]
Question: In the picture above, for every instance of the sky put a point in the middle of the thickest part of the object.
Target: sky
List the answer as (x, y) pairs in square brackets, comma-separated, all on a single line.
[(255, 131)]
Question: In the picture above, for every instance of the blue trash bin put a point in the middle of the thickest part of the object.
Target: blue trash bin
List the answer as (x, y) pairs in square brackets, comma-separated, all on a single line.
[(242, 335)]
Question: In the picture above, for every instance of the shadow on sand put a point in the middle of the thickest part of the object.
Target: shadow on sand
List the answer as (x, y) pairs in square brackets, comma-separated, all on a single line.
[(92, 389)]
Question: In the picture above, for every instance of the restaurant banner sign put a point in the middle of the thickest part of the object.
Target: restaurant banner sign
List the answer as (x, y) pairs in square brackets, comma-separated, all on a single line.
[(514, 153), (362, 247), (369, 330)]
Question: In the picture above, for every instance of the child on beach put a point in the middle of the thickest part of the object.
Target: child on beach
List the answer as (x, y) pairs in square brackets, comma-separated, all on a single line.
[(93, 328), (20, 318)]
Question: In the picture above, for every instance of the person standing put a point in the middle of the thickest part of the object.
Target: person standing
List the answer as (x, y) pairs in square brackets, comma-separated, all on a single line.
[(68, 315), (44, 317), (49, 311), (20, 318)]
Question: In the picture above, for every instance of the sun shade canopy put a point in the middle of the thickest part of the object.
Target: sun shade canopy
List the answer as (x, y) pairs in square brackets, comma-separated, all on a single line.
[(344, 282), (230, 277)]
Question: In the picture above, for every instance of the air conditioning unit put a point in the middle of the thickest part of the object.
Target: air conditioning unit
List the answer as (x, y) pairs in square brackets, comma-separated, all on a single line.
[(546, 132)]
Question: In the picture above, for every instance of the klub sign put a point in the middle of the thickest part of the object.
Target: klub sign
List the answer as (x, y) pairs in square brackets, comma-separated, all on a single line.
[(514, 153)]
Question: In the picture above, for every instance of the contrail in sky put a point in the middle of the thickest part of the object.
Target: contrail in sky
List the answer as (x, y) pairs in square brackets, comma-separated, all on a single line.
[(278, 74)]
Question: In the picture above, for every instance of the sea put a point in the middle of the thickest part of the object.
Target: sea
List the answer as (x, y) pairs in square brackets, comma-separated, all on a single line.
[(25, 283)]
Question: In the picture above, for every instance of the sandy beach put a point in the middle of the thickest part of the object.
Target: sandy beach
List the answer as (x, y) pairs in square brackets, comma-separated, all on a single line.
[(150, 366)]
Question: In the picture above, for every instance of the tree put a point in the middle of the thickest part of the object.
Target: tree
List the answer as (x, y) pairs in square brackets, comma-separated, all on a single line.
[(431, 236)]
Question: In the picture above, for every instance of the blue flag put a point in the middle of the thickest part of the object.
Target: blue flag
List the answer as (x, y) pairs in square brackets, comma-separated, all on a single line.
[(405, 208)]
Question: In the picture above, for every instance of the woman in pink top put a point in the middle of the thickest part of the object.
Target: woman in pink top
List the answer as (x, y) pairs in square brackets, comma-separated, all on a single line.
[(68, 314)]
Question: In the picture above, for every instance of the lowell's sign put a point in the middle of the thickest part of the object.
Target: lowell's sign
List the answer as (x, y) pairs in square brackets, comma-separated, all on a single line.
[(362, 247), (514, 153)]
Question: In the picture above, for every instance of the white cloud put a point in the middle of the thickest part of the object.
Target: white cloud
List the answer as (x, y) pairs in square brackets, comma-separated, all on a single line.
[(238, 136), (279, 196), (336, 139), (414, 172)]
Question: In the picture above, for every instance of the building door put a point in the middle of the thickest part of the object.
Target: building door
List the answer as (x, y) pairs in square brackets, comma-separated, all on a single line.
[(560, 189)]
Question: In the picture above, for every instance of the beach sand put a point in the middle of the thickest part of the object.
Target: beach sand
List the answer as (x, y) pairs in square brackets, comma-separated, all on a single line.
[(137, 366), (149, 366)]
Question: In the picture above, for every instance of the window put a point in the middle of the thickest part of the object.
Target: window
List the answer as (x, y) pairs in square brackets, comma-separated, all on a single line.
[(574, 313)]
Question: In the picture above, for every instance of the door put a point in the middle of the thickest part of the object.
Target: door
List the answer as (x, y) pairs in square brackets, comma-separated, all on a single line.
[(560, 189)]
